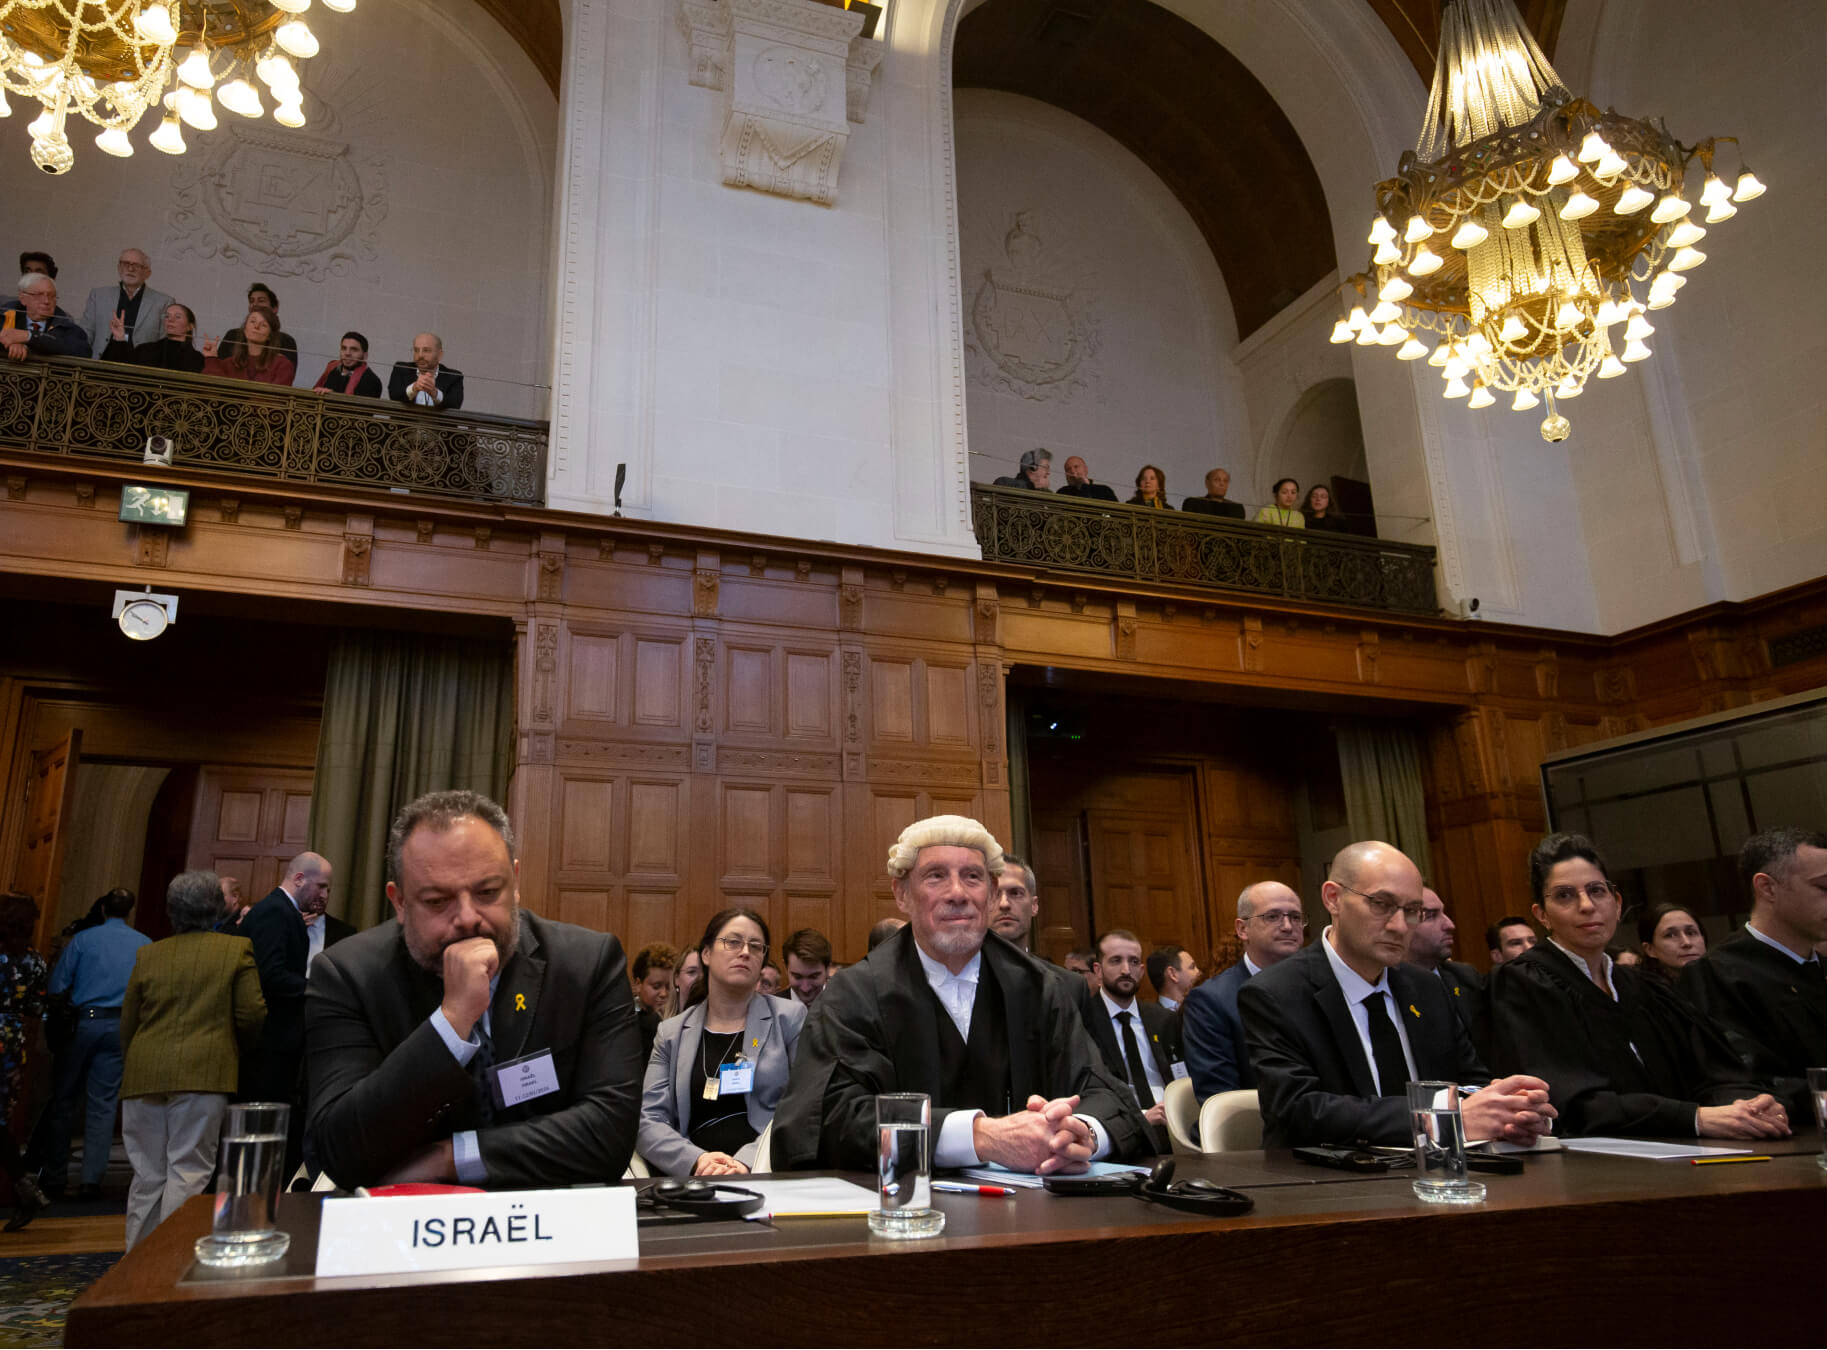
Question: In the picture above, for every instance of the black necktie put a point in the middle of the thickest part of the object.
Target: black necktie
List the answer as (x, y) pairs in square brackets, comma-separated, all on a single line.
[(479, 1065), (1138, 1076), (1386, 1047)]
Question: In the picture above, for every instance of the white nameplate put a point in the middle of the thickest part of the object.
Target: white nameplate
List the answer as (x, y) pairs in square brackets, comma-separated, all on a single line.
[(392, 1234)]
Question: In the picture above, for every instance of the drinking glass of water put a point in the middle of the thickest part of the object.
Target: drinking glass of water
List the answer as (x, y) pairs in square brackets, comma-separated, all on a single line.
[(1817, 1089), (252, 1169), (1440, 1171), (904, 1174)]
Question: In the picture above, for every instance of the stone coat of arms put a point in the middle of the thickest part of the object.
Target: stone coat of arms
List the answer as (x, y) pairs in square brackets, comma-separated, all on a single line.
[(1033, 328)]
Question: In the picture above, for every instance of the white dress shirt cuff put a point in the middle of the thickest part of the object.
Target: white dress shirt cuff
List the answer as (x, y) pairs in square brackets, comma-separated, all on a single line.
[(460, 1049), (1100, 1137), (468, 1155), (956, 1145)]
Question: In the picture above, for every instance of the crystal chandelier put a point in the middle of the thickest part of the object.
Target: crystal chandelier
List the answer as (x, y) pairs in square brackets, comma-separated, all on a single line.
[(1528, 233), (110, 61)]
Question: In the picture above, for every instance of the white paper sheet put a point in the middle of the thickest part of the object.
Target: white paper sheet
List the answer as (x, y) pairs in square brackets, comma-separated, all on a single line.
[(1646, 1148), (806, 1196)]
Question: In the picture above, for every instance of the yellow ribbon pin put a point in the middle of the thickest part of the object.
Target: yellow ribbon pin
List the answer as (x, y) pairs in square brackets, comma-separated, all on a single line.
[(520, 1002), (1416, 1011), (754, 1041)]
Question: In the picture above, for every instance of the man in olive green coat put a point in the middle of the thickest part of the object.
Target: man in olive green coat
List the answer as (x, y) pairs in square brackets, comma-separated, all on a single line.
[(193, 1007)]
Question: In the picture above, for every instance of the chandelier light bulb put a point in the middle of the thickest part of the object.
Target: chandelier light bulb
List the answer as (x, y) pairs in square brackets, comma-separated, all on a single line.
[(1440, 355), (1593, 148), (1578, 206), (6, 109), (1520, 215), (1632, 200), (1385, 312), (40, 126), (1341, 332), (1569, 388), (296, 39), (1686, 260), (1720, 210), (1412, 350), (290, 114), (169, 137), (273, 68), (1684, 234), (194, 69), (154, 23), (1672, 207), (1396, 288), (1524, 401), (1635, 351), (1609, 312), (1418, 229), (1478, 345), (339, 6), (1387, 255), (1367, 335), (1358, 320), (1714, 191), (1748, 189), (1456, 388), (1637, 329), (1610, 368), (1470, 235), (1456, 368), (240, 97), (114, 141), (1393, 335), (1381, 231), (1512, 331), (1481, 397), (1563, 170), (1568, 315), (1426, 262), (1610, 165)]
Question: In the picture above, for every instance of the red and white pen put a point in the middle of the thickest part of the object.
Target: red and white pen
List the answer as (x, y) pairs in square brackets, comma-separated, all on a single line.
[(971, 1188)]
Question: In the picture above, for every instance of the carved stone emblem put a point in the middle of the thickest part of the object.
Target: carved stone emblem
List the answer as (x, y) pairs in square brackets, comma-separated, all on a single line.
[(1033, 329)]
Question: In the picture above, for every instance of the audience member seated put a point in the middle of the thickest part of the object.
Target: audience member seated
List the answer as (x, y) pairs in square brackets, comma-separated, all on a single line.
[(349, 373), (879, 932), (1271, 927), (173, 351), (1079, 484), (1173, 973), (193, 1007), (1015, 904), (1622, 1053), (651, 971), (260, 296), (948, 1009), (426, 381), (32, 325), (41, 263), (1147, 1057), (1430, 946), (1035, 471), (140, 309), (1338, 1030), (684, 980), (1081, 961), (250, 352), (405, 1021), (719, 1067), (1283, 510), (1508, 939), (1763, 985), (1318, 513), (1669, 937), (1214, 502), (808, 954), (1151, 489)]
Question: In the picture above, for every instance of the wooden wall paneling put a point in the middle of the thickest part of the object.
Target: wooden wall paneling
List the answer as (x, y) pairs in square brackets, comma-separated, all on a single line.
[(811, 687), (813, 863), (749, 690), (251, 823), (891, 699), (1064, 920)]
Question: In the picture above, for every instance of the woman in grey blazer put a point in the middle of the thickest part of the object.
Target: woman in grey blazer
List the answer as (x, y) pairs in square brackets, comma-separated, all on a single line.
[(718, 1068)]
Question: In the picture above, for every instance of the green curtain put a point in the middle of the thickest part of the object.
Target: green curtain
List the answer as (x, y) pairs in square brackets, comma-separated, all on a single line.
[(403, 715), (1384, 798)]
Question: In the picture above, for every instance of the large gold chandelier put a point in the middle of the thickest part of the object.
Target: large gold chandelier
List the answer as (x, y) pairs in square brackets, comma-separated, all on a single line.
[(1528, 233), (110, 61)]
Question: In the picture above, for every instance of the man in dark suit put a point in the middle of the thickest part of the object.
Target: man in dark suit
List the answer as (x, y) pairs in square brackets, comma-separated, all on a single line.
[(1079, 484), (1271, 927), (1214, 502), (32, 325), (407, 1021), (1430, 946), (283, 949), (1139, 1040), (1339, 1030), (425, 381), (1764, 985), (946, 1008)]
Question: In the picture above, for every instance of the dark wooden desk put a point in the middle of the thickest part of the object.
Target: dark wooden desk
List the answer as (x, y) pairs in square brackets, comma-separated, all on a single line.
[(1715, 1255)]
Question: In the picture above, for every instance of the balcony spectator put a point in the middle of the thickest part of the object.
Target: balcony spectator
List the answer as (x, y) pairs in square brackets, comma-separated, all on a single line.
[(1284, 512), (42, 263), (260, 296), (174, 351), (141, 309), (34, 325), (1151, 489), (349, 373), (251, 352), (1035, 471), (1214, 502), (1079, 484), (425, 380), (1319, 512)]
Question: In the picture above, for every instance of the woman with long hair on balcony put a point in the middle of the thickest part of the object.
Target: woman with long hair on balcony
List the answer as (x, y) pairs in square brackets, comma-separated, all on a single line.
[(1151, 489), (1318, 510), (255, 355), (172, 351)]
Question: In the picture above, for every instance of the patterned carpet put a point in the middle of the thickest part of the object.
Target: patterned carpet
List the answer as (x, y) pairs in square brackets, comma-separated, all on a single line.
[(36, 1292)]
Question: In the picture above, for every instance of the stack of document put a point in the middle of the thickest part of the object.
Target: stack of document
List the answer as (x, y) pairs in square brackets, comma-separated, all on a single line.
[(992, 1174)]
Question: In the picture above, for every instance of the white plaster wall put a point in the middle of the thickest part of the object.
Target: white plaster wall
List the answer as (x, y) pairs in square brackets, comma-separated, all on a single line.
[(445, 134), (1281, 362), (1159, 384)]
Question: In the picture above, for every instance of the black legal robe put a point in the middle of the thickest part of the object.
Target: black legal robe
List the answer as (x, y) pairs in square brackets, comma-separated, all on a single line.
[(1772, 1010), (1639, 1066), (1471, 1000), (876, 1028)]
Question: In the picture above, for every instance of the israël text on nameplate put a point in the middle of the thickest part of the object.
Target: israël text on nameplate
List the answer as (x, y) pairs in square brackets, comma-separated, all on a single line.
[(394, 1234)]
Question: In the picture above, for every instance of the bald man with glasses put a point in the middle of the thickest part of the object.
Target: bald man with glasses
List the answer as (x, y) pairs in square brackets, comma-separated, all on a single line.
[(1337, 1031), (1272, 928)]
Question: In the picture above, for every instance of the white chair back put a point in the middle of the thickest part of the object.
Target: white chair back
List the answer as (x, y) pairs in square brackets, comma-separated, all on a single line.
[(764, 1149), (1230, 1121), (1183, 1115)]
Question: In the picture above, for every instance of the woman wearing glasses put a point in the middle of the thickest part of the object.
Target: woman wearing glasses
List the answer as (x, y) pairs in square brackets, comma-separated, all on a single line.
[(719, 1067), (1622, 1054)]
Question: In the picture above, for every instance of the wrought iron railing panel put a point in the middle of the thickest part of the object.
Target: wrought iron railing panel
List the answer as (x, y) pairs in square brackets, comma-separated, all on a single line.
[(1053, 533), (100, 408)]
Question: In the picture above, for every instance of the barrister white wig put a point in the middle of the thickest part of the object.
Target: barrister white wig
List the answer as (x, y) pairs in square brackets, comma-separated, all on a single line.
[(940, 831)]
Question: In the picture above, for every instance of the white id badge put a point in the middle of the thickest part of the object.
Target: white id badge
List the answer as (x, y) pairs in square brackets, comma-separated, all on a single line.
[(735, 1078), (1179, 1068), (521, 1080)]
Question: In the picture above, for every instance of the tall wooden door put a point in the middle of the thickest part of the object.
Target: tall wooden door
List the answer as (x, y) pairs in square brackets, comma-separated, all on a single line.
[(49, 793), (1056, 839), (249, 823), (1145, 876)]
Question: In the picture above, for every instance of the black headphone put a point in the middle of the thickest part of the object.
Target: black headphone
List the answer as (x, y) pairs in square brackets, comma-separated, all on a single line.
[(701, 1199), (1196, 1195)]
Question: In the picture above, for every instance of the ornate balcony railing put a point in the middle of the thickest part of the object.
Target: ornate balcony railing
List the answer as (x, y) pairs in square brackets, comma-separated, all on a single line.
[(1062, 534), (63, 406)]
